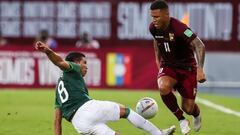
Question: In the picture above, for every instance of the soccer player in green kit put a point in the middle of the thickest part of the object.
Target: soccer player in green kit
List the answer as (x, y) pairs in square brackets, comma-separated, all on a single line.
[(88, 116)]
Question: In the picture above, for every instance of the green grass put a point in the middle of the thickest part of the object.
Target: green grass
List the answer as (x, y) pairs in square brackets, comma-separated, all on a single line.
[(28, 112)]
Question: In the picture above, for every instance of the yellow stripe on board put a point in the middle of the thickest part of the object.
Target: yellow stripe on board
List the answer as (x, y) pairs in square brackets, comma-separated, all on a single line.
[(111, 60)]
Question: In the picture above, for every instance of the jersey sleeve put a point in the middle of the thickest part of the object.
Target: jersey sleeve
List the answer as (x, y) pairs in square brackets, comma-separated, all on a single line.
[(188, 35), (73, 67), (184, 31)]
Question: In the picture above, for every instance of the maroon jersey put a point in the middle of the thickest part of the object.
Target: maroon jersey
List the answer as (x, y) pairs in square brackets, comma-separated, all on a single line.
[(174, 44)]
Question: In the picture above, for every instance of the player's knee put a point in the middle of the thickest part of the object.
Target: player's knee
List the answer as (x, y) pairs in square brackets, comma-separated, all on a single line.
[(165, 84), (117, 134), (164, 89)]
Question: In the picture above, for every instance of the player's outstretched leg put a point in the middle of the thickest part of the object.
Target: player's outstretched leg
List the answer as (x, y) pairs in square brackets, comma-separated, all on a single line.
[(140, 122)]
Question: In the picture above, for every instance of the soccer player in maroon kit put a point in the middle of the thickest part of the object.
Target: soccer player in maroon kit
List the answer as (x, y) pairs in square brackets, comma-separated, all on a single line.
[(176, 47)]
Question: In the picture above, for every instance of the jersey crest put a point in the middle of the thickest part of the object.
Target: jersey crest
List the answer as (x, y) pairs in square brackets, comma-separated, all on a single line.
[(171, 36)]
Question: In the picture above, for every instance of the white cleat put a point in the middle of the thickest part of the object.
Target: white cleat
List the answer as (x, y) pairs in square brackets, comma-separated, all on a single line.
[(197, 123), (184, 125), (169, 131)]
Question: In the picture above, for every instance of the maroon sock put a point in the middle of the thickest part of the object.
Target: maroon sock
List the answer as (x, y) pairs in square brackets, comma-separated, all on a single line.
[(196, 110), (171, 102)]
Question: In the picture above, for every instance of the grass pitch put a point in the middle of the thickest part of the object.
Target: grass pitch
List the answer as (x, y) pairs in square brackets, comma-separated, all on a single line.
[(31, 112)]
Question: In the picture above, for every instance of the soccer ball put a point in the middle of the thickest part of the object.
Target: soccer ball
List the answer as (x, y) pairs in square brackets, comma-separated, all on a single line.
[(147, 107)]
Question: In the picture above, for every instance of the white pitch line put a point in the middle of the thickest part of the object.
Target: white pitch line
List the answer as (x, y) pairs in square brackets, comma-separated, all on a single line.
[(217, 107)]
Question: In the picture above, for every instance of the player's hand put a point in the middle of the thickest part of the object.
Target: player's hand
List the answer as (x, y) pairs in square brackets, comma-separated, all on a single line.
[(200, 75), (40, 46)]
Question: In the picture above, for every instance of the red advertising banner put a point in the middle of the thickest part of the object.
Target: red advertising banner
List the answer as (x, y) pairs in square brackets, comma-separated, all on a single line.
[(125, 67)]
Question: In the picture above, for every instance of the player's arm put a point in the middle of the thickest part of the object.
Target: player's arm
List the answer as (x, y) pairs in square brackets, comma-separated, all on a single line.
[(53, 56), (200, 55), (157, 53), (58, 122), (199, 50)]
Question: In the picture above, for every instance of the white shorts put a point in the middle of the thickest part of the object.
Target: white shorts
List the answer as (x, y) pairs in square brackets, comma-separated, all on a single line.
[(91, 117)]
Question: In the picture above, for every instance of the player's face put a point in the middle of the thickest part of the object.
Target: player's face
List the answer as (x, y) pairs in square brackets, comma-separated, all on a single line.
[(158, 18), (83, 66)]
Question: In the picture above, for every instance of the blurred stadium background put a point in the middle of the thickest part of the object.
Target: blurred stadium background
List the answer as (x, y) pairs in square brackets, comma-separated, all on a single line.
[(124, 65)]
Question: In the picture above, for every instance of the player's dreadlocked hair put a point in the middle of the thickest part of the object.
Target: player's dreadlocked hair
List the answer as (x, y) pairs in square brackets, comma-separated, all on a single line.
[(159, 4), (74, 56)]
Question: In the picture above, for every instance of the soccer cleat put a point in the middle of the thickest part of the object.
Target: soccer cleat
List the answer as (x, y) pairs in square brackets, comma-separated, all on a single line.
[(184, 125), (169, 131), (197, 123)]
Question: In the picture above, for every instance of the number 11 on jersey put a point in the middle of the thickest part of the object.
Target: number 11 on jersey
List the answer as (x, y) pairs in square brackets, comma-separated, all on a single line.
[(166, 45)]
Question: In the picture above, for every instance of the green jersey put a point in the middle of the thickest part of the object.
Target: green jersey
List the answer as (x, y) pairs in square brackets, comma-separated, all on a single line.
[(71, 91)]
